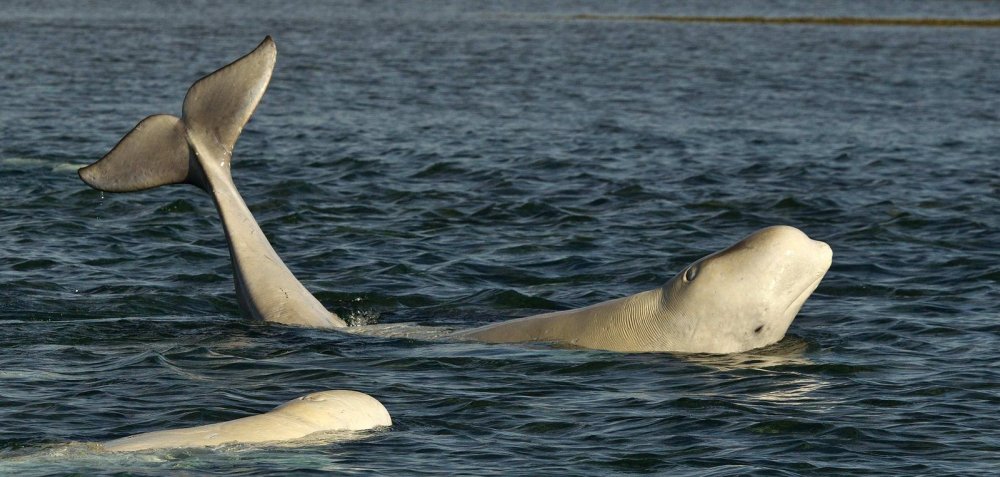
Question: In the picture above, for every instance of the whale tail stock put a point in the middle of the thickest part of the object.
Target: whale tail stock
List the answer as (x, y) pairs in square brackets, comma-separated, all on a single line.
[(164, 149), (197, 148)]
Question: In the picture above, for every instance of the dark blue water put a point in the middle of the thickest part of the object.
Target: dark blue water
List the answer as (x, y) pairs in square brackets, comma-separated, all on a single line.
[(451, 164)]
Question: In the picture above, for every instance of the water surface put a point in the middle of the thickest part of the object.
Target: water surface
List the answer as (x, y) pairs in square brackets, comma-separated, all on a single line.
[(451, 164)]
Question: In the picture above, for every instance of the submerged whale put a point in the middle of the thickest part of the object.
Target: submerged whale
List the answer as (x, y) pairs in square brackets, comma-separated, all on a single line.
[(740, 298), (323, 411)]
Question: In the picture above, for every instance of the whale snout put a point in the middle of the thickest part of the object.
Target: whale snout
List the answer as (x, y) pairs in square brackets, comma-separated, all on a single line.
[(817, 262), (823, 259), (825, 254)]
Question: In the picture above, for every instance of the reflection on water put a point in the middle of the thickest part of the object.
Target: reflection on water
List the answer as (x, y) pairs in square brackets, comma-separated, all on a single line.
[(782, 373), (790, 351)]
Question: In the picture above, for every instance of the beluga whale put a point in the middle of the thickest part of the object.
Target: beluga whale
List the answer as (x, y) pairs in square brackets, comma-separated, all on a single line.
[(319, 412), (737, 299)]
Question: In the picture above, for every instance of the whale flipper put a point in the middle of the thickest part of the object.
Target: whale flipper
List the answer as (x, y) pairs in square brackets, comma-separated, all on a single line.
[(197, 149)]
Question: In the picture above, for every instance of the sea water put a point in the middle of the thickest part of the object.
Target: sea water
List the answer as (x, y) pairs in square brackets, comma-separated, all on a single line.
[(445, 165)]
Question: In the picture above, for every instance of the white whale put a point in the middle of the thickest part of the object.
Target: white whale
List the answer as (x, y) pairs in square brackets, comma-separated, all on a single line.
[(740, 298), (324, 411), (734, 300)]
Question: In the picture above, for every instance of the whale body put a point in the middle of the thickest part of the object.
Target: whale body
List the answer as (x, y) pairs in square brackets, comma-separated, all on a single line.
[(324, 411), (737, 299)]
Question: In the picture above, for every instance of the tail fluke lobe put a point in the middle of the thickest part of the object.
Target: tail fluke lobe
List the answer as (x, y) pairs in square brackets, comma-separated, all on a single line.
[(152, 154), (218, 106)]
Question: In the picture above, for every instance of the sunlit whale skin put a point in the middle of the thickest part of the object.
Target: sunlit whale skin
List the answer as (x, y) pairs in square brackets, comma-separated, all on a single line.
[(325, 411), (197, 149), (734, 300)]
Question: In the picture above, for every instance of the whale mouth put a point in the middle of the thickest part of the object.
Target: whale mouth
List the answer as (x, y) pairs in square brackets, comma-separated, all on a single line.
[(804, 295), (827, 258)]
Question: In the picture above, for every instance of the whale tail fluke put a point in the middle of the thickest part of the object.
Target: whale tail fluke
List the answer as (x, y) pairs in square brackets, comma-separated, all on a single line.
[(152, 154), (160, 149)]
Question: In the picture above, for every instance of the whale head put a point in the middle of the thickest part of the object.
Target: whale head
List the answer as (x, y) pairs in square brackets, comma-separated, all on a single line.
[(747, 295)]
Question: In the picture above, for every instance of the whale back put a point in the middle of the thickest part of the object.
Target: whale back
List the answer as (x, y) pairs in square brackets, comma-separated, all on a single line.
[(325, 411), (336, 410)]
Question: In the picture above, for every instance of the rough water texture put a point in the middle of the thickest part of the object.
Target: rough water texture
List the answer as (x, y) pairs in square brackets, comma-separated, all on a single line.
[(451, 164)]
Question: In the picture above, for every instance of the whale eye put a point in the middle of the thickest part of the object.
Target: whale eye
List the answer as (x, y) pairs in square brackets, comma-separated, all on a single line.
[(690, 274), (759, 329)]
